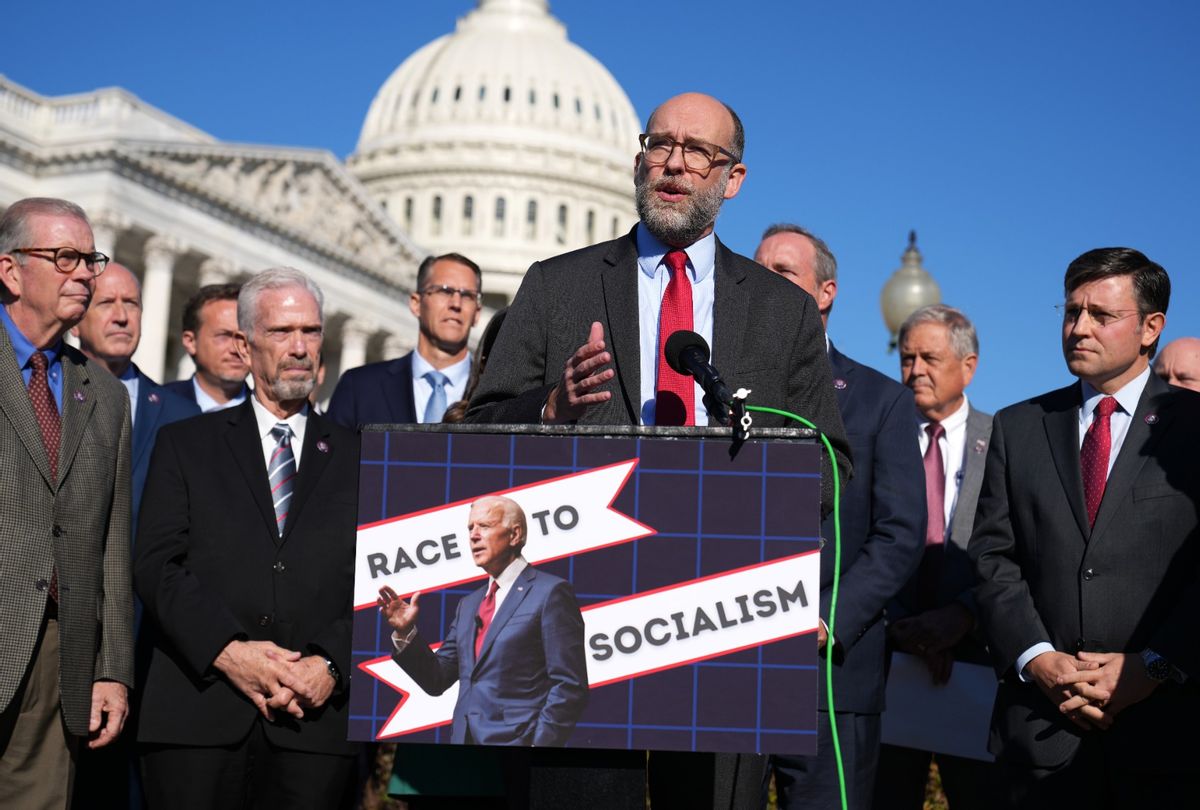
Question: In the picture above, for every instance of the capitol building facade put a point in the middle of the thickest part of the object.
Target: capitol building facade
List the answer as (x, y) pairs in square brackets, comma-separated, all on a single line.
[(503, 141)]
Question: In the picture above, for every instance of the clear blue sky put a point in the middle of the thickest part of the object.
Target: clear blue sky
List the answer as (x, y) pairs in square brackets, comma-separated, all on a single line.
[(1011, 136)]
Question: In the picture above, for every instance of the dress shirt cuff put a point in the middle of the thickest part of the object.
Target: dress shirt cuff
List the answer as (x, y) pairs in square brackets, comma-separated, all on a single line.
[(1033, 652), (401, 643)]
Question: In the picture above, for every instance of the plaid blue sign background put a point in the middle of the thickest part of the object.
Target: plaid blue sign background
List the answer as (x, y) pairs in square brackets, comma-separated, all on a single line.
[(711, 514)]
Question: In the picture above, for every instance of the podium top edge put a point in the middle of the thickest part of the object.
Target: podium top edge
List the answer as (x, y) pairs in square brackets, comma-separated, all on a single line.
[(654, 431)]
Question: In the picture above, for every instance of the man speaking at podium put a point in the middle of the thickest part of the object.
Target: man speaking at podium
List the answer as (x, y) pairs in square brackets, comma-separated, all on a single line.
[(584, 336)]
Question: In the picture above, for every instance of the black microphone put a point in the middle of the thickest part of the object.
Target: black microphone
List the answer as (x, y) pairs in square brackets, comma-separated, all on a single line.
[(687, 353)]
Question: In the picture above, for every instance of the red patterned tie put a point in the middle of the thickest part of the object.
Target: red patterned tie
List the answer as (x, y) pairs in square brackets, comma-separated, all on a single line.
[(675, 393), (487, 609), (1093, 457), (46, 411)]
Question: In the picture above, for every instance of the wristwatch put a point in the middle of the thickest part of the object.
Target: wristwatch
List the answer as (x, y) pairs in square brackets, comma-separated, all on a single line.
[(1160, 669), (333, 670)]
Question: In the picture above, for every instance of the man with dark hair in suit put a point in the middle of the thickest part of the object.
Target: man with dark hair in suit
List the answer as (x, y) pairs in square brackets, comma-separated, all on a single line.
[(883, 527), (521, 682), (210, 338), (419, 386), (584, 337), (1087, 548), (109, 334), (67, 613), (934, 616), (244, 562)]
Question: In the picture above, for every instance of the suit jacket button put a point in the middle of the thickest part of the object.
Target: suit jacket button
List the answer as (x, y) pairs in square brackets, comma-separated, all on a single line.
[(264, 621), (1079, 644), (820, 542), (57, 531), (41, 584), (1088, 574), (279, 567)]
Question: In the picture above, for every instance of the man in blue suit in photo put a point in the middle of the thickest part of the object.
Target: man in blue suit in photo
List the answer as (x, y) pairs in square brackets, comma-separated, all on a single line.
[(883, 530), (515, 647)]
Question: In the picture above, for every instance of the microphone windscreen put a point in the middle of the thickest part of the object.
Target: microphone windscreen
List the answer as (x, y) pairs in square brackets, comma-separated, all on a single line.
[(678, 343)]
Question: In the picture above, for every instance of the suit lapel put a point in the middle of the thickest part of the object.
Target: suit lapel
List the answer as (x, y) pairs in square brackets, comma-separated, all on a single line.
[(1139, 444), (149, 412), (14, 402), (618, 282), (731, 308), (79, 401), (397, 386), (1062, 433), (520, 589), (313, 460), (842, 371), (245, 445), (974, 462)]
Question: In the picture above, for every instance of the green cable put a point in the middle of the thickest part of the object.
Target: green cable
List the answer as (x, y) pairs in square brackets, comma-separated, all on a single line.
[(837, 578)]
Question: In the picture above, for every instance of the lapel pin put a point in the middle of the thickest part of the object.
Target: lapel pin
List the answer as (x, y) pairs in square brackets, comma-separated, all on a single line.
[(79, 397), (323, 446), (839, 384), (1151, 418), (520, 587), (980, 445), (153, 398)]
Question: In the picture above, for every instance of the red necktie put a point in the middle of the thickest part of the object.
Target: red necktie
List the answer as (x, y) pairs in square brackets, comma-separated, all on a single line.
[(487, 609), (46, 411), (1093, 457), (935, 487), (675, 393)]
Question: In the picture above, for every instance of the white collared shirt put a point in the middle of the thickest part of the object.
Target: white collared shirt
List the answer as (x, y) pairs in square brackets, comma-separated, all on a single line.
[(267, 420), (129, 378), (653, 277), (953, 444), (457, 373), (207, 403)]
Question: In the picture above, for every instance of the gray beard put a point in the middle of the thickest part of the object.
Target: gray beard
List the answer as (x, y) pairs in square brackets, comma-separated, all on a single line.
[(292, 390), (677, 226)]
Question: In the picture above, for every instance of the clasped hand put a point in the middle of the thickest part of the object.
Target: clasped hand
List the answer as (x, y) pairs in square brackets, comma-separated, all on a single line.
[(1091, 689), (276, 678)]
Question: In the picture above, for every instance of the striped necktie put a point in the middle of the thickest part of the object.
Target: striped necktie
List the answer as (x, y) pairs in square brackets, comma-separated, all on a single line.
[(281, 473)]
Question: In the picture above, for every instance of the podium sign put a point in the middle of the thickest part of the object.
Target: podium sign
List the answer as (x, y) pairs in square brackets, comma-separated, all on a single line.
[(695, 568)]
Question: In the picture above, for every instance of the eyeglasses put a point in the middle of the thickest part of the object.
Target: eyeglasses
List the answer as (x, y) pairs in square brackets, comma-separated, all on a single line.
[(1100, 317), (446, 293), (698, 156), (66, 259)]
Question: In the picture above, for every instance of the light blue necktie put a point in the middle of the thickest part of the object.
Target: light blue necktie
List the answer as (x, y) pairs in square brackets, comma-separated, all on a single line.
[(435, 408), (281, 472)]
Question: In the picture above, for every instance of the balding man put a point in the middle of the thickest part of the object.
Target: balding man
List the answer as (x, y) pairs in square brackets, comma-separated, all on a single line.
[(1179, 363), (883, 529), (66, 612), (520, 683), (583, 343)]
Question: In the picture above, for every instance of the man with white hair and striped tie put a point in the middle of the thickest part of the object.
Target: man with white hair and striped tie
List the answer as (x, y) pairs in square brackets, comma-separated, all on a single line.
[(244, 561)]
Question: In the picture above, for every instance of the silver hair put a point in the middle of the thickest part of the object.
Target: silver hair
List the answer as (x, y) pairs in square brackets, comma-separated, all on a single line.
[(274, 278), (826, 269), (514, 515), (963, 339), (14, 223)]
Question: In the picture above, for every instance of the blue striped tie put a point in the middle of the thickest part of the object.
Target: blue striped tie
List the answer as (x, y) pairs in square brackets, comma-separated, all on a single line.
[(435, 408), (281, 472)]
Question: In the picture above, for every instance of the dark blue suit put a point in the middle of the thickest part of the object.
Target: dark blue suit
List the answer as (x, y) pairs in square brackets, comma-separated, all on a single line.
[(157, 405), (182, 388), (375, 394), (530, 684), (883, 534)]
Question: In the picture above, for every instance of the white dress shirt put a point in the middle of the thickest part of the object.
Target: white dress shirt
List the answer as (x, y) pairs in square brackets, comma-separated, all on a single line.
[(504, 584), (267, 420), (652, 285), (129, 378), (458, 374), (1127, 399), (953, 444)]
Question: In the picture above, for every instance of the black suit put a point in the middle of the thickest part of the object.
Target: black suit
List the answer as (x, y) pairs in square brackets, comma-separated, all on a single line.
[(1127, 584), (883, 533), (767, 336), (210, 567), (375, 394)]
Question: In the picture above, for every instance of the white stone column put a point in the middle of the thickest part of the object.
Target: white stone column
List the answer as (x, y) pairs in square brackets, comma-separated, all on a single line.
[(151, 355), (106, 229), (395, 346), (355, 334), (214, 271)]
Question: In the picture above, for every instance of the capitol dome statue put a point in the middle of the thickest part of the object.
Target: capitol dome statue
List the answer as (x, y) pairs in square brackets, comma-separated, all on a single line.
[(503, 141)]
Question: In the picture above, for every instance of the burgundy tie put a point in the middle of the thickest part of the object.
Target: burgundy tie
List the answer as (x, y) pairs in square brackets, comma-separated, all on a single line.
[(675, 393), (935, 487), (1093, 457), (46, 411), (487, 609)]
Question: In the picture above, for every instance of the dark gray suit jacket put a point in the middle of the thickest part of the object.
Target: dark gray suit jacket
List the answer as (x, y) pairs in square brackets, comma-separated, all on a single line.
[(79, 523), (767, 336), (1131, 582)]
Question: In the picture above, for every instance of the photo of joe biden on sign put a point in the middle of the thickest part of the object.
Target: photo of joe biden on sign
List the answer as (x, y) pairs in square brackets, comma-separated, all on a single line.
[(515, 646)]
